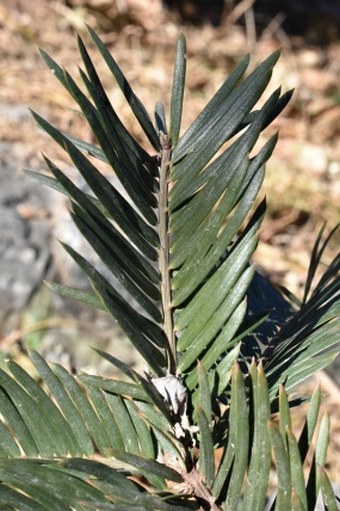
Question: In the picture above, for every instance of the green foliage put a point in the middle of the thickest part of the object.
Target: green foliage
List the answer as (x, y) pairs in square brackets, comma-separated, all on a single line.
[(221, 345)]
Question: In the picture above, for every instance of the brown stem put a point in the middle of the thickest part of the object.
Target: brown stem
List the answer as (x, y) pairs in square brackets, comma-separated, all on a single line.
[(194, 479), (164, 252)]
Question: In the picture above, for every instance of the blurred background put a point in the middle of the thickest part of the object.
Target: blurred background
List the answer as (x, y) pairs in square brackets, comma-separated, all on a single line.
[(303, 176)]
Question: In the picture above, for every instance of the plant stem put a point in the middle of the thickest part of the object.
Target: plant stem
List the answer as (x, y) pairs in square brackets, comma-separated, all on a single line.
[(164, 252), (200, 490)]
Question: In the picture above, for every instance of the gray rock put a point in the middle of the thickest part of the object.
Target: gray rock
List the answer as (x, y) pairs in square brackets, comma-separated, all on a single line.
[(14, 113), (24, 237)]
